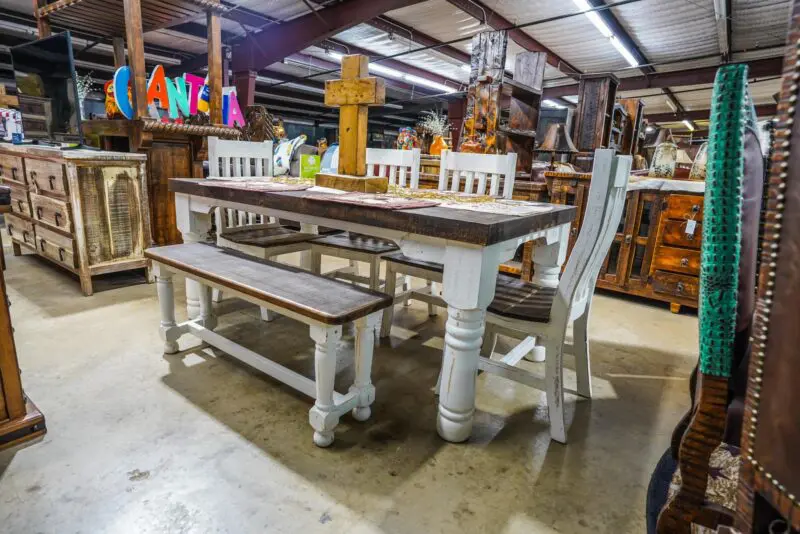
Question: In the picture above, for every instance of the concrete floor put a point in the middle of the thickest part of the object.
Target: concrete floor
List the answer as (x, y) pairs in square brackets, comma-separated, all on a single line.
[(139, 442)]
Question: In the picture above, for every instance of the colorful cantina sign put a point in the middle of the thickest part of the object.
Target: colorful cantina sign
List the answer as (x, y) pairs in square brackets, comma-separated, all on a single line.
[(181, 96)]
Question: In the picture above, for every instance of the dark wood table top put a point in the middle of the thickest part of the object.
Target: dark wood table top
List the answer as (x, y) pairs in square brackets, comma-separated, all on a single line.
[(465, 226)]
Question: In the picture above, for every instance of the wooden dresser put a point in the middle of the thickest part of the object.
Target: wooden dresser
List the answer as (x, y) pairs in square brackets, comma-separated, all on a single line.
[(20, 421), (656, 250), (83, 210)]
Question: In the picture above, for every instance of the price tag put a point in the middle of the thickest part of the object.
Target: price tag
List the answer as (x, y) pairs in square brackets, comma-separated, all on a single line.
[(691, 225)]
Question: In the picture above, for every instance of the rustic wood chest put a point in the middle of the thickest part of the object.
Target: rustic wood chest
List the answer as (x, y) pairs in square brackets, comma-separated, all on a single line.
[(86, 211)]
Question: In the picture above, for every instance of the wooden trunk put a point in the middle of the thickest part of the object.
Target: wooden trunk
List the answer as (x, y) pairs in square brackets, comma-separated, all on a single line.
[(83, 210), (652, 254), (20, 421)]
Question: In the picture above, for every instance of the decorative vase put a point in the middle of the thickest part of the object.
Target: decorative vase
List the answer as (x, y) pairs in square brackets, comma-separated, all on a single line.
[(437, 145)]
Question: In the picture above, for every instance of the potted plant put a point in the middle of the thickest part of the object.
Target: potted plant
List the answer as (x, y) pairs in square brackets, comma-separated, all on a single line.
[(436, 125)]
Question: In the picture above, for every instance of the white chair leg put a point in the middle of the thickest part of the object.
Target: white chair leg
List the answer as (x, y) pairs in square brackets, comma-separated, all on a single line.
[(431, 307), (166, 300), (554, 377), (268, 315), (365, 333), (375, 285), (538, 354), (316, 261), (216, 295), (489, 340), (389, 288), (353, 267), (207, 316), (583, 366), (406, 288), (322, 417)]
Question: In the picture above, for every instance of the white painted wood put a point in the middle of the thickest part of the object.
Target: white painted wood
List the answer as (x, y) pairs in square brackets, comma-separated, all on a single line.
[(166, 300), (501, 168), (366, 336), (402, 161)]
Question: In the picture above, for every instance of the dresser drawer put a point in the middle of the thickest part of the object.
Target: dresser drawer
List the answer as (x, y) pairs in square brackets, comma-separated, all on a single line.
[(51, 211), (20, 203), (11, 169), (679, 260), (684, 207), (20, 229), (55, 246), (46, 177), (677, 285), (674, 234)]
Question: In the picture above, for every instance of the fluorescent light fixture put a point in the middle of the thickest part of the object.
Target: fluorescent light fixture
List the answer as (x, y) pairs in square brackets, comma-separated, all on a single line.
[(392, 73), (550, 104), (393, 106), (649, 129), (671, 105), (605, 31), (688, 125), (336, 55), (624, 51), (386, 71), (428, 83)]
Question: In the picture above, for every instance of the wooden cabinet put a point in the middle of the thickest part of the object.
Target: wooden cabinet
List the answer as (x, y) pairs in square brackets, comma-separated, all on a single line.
[(20, 421), (656, 250), (86, 211)]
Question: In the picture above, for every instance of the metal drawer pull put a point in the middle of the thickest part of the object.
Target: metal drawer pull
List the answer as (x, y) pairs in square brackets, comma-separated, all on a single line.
[(9, 227), (41, 244), (628, 239), (680, 287), (695, 208), (58, 217), (52, 180), (25, 235), (684, 262), (19, 203), (33, 175), (39, 213), (61, 254), (13, 173)]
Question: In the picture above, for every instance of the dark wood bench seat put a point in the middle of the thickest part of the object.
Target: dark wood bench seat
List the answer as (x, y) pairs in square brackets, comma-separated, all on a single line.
[(265, 237), (322, 299)]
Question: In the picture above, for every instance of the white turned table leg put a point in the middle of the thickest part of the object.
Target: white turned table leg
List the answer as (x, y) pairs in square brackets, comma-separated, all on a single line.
[(194, 227), (470, 276), (322, 417), (365, 335), (207, 316), (306, 258), (166, 300)]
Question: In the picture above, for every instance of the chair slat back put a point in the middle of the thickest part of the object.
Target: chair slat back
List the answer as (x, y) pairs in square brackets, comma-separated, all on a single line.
[(239, 159), (603, 212), (482, 174), (400, 166)]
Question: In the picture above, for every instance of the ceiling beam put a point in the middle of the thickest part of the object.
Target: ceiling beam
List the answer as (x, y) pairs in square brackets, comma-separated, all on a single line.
[(763, 110), (262, 49), (483, 13), (391, 26), (759, 68)]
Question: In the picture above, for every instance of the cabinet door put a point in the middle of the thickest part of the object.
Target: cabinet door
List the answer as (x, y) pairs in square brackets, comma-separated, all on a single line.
[(615, 267), (642, 240), (165, 161)]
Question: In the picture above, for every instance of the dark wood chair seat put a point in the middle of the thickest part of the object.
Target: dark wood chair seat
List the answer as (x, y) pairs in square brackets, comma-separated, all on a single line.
[(517, 299), (266, 237), (358, 242), (319, 298), (402, 259)]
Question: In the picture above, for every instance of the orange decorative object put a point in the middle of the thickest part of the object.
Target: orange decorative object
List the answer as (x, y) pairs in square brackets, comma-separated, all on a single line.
[(472, 146), (437, 145)]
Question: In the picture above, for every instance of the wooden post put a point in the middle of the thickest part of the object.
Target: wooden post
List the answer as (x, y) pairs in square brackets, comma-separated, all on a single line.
[(42, 23), (353, 93), (214, 68), (119, 52), (133, 31), (245, 82)]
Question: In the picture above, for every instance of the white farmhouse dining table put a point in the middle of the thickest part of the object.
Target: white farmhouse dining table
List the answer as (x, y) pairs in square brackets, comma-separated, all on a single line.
[(470, 244)]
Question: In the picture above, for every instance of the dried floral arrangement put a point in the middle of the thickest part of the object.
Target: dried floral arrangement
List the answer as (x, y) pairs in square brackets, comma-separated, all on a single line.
[(84, 85), (444, 196), (434, 123)]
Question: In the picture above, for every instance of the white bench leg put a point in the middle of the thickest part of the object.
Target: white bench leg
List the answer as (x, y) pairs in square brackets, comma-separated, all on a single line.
[(433, 310), (365, 332), (268, 315), (207, 316), (216, 295), (375, 285), (554, 377), (583, 366), (166, 300), (406, 289), (390, 288), (323, 417)]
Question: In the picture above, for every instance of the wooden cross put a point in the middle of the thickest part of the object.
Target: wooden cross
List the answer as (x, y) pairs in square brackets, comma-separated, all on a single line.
[(352, 94)]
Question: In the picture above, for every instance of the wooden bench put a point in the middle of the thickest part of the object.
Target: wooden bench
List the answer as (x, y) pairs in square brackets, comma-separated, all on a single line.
[(323, 304)]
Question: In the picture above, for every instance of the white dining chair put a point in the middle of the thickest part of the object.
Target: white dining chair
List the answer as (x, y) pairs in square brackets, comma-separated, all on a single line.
[(249, 233), (482, 174), (402, 168), (524, 310)]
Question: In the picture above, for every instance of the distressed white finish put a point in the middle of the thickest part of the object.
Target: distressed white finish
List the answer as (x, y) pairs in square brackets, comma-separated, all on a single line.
[(329, 405), (239, 159), (468, 287), (482, 174), (573, 297), (400, 166)]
